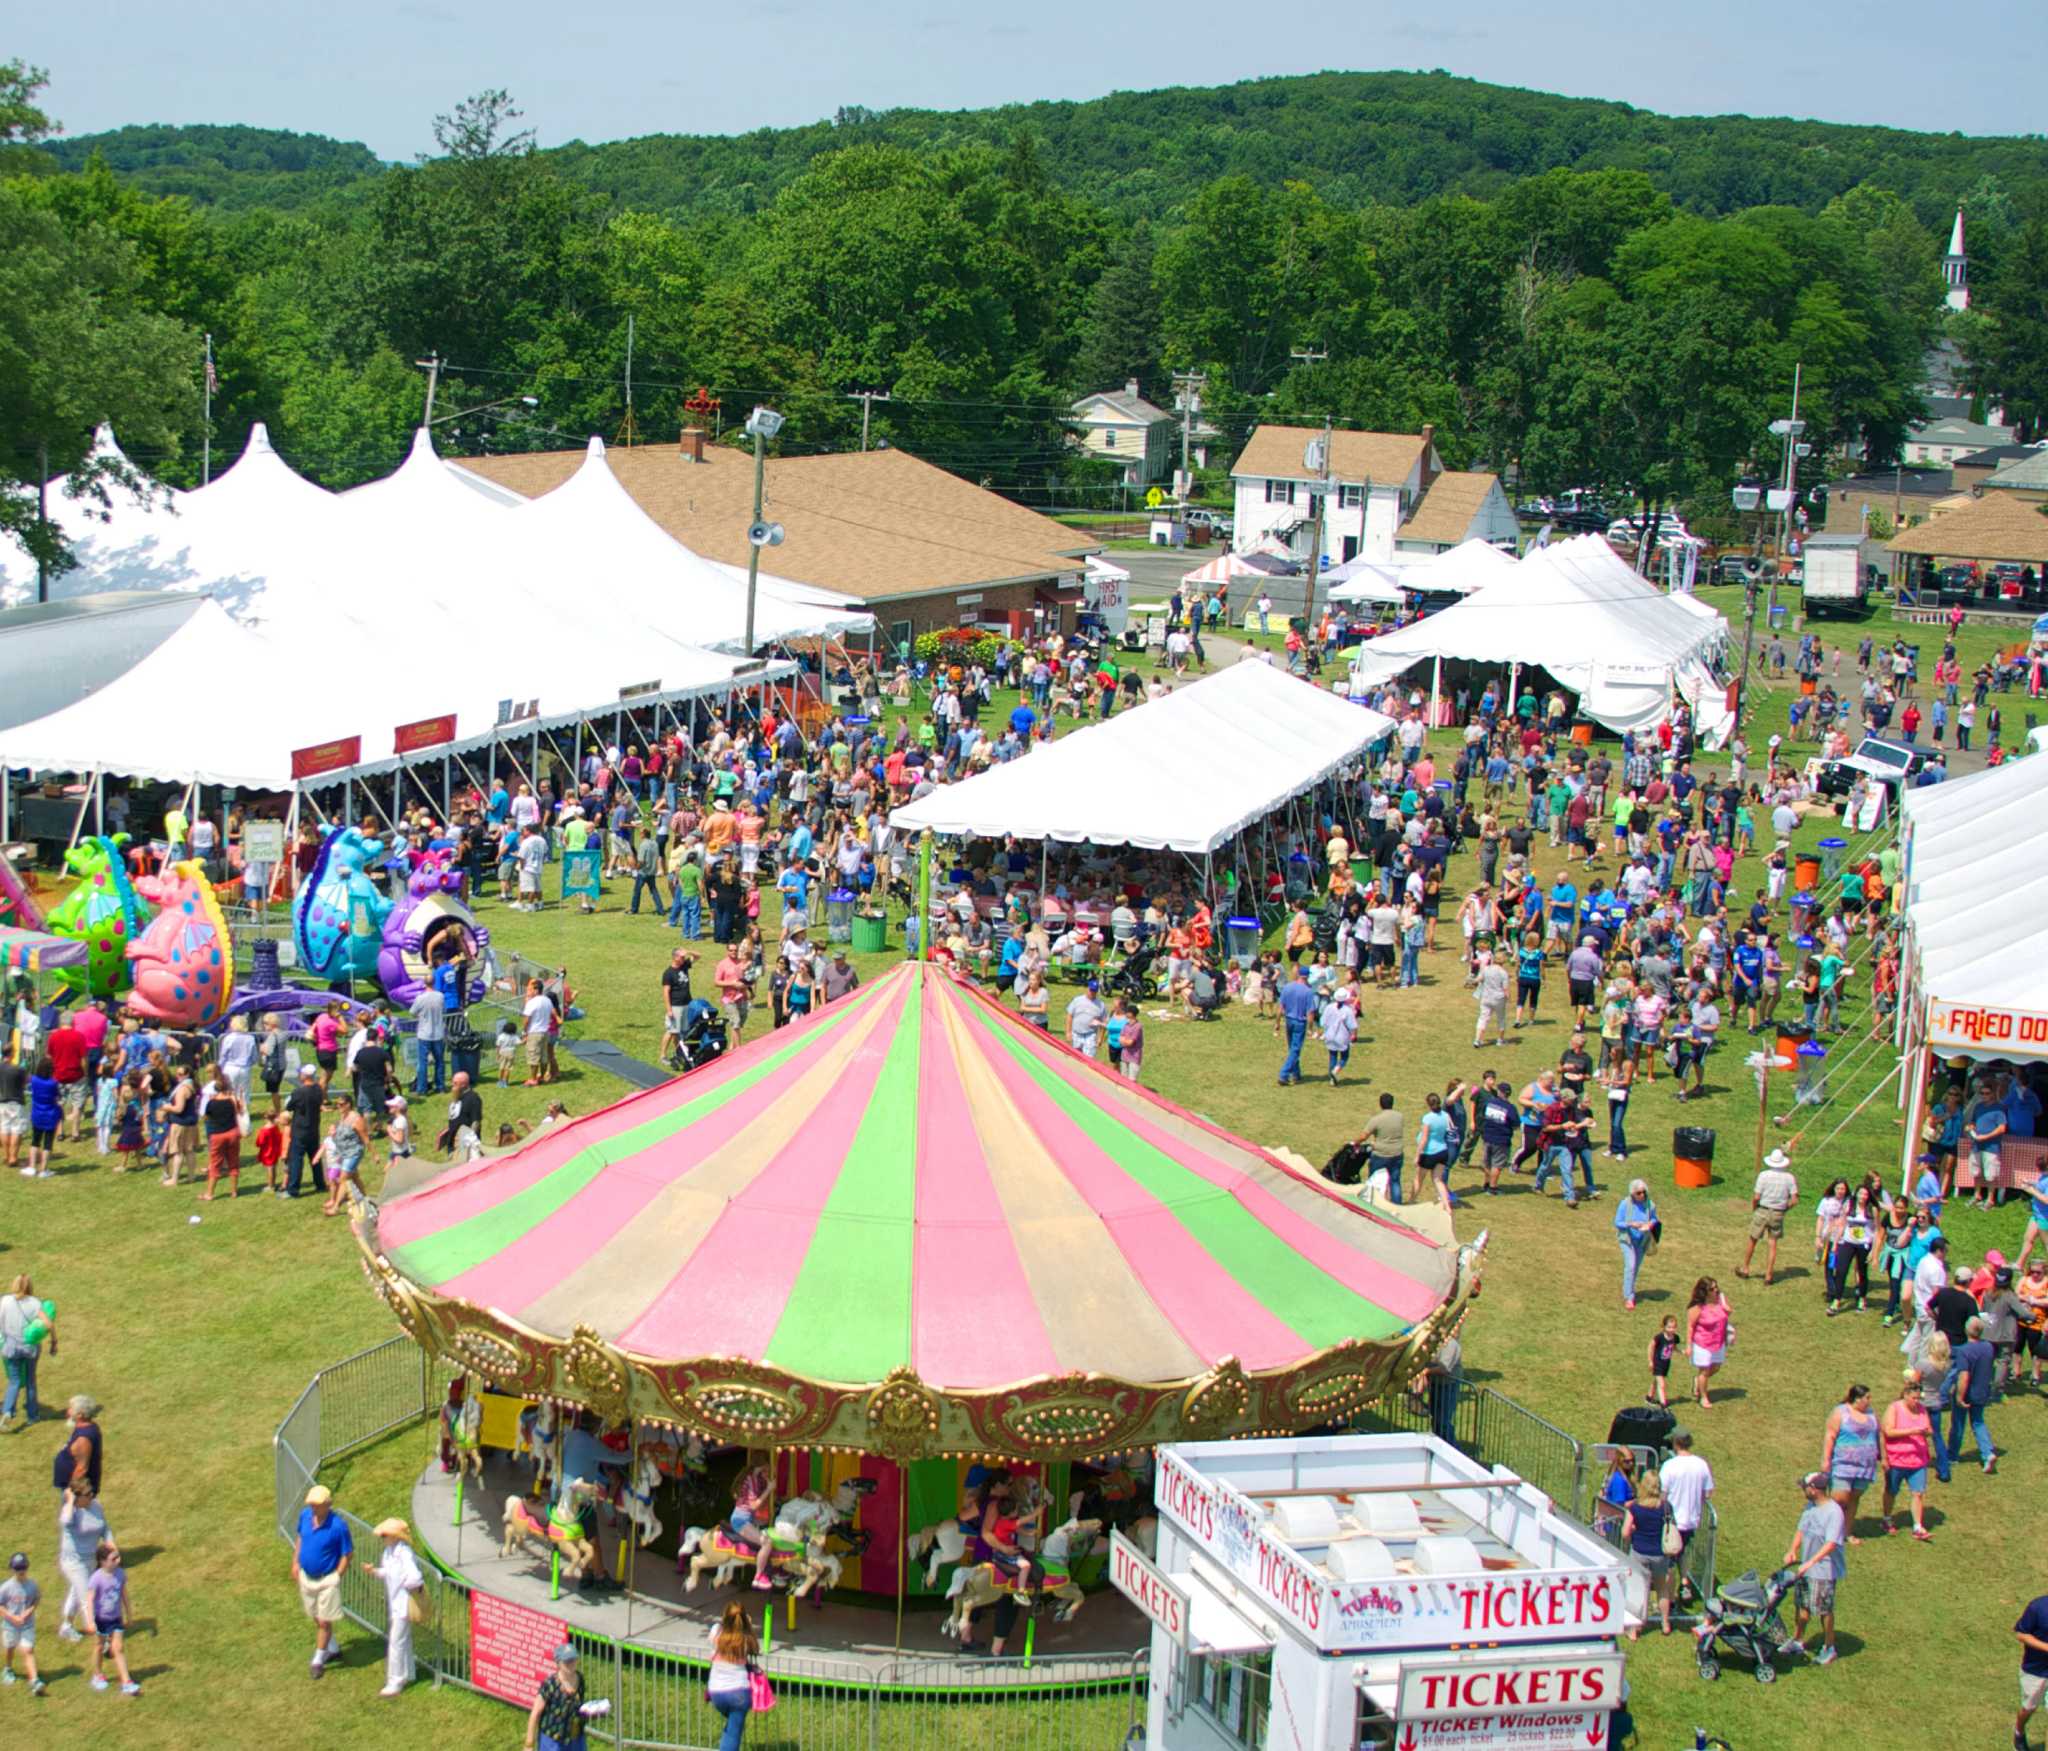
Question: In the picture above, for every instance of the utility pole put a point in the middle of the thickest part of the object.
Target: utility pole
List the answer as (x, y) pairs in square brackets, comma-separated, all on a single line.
[(1791, 428), (627, 430), (867, 399), (432, 367), (763, 423), (206, 426), (1188, 385), (1317, 462)]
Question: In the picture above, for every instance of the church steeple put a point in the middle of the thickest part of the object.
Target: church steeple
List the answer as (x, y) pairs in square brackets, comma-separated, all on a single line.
[(1955, 267)]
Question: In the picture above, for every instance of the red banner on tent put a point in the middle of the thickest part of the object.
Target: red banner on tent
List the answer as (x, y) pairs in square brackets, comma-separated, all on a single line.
[(429, 732), (327, 757), (511, 1648)]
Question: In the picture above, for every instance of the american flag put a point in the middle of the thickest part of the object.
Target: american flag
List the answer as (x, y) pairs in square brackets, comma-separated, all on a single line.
[(212, 376)]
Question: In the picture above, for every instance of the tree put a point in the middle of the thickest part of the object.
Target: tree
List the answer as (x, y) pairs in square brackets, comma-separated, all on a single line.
[(482, 127), (23, 125), (2007, 346), (75, 350), (1120, 336)]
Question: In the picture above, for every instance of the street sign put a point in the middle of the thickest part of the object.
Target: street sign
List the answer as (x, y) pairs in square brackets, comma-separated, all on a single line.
[(1145, 1585), (1481, 1684)]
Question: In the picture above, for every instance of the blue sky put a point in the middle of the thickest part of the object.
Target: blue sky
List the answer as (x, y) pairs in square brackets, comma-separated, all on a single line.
[(378, 70)]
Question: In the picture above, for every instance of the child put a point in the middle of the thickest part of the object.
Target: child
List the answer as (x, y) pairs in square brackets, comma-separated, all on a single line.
[(107, 1593), (2003, 1311), (131, 1141), (269, 1149), (1116, 1036), (508, 1049), (106, 1096), (18, 1599), (397, 1131), (1663, 1346)]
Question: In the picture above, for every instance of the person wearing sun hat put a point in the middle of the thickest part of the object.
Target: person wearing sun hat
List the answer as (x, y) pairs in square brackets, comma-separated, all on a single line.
[(320, 1557), (399, 1570)]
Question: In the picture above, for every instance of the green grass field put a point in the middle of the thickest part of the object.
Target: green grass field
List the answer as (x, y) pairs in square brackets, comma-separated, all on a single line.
[(198, 1337)]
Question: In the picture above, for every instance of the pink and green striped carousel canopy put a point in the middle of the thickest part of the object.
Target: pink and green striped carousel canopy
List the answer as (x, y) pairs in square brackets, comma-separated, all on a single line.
[(912, 1182)]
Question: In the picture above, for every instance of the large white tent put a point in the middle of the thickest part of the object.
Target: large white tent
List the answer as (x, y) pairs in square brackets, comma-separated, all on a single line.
[(1575, 610), (1977, 887), (1457, 571), (1185, 773)]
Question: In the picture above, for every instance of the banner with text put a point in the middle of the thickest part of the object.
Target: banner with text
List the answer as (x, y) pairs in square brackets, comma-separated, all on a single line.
[(429, 732), (511, 1648), (327, 757)]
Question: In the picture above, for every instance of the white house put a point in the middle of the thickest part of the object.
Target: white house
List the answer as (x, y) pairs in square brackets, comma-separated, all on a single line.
[(1372, 483), (1121, 426), (1459, 507), (1944, 440)]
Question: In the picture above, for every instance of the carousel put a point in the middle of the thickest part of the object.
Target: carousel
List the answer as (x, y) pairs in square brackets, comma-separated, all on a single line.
[(905, 1292)]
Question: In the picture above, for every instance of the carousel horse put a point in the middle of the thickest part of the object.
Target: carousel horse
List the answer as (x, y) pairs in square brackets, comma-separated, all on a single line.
[(561, 1531), (637, 1502), (977, 1586), (462, 1422), (540, 1439), (796, 1542), (950, 1540)]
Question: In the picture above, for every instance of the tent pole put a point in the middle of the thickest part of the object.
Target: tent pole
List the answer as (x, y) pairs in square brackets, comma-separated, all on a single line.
[(447, 792), (1514, 675), (924, 896), (84, 803), (6, 800), (1436, 688), (99, 803), (348, 801)]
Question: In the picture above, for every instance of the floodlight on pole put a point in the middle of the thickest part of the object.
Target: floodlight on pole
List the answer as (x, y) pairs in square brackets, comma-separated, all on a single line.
[(762, 424)]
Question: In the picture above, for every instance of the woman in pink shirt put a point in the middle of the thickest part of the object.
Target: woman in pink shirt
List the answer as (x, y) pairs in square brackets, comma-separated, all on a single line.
[(1905, 1430), (1707, 1324)]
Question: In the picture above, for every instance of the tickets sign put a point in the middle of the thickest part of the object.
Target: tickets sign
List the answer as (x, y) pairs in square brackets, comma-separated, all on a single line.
[(1979, 1027), (1553, 1730), (1480, 1685), (1146, 1586)]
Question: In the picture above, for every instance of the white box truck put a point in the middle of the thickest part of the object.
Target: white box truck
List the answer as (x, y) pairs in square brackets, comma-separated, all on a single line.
[(1838, 573)]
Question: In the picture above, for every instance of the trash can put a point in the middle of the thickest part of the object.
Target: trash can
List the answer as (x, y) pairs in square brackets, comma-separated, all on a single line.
[(1792, 1036), (870, 933), (839, 915), (1808, 686), (1812, 1086), (1692, 1156), (1582, 733), (1777, 615), (1805, 874), (1241, 940), (1833, 854)]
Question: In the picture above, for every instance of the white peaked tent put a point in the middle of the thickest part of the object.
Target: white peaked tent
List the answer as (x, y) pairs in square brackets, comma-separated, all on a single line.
[(1460, 570), (1977, 886), (590, 536), (1575, 610), (1185, 773)]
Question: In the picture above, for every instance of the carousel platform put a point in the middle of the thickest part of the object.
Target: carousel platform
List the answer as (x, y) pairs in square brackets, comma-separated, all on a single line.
[(850, 1630)]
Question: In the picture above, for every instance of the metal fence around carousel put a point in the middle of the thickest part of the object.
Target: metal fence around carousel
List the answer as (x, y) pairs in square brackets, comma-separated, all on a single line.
[(1070, 1702), (911, 1703)]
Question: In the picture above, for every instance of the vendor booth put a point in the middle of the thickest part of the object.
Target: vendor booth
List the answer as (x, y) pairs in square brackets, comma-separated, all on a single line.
[(1362, 1592), (1974, 988)]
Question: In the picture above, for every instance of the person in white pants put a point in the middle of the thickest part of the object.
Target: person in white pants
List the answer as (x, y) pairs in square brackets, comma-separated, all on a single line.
[(81, 1525), (399, 1570)]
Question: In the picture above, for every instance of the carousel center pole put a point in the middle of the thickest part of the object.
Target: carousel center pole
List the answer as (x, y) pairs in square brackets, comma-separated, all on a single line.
[(924, 896), (902, 1520)]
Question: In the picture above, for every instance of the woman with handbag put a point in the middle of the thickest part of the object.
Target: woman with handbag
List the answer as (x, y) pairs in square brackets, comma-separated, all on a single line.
[(735, 1686), (399, 1570), (1654, 1540)]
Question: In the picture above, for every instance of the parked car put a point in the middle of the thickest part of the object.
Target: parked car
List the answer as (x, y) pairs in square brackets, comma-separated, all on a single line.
[(1577, 510), (1736, 568), (1628, 531), (1889, 762), (1214, 521)]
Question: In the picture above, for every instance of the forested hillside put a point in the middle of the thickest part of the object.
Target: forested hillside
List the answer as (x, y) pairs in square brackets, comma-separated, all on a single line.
[(1586, 293), (1358, 137)]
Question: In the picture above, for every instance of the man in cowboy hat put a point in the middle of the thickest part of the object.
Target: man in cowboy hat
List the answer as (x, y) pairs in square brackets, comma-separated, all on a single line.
[(320, 1557), (399, 1570), (1776, 1192)]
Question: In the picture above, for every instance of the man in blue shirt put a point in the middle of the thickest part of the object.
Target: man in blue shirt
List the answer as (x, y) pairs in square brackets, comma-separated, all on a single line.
[(1297, 1005), (1749, 977), (1023, 720), (500, 804), (320, 1557), (585, 1456), (1498, 1122), (1564, 910)]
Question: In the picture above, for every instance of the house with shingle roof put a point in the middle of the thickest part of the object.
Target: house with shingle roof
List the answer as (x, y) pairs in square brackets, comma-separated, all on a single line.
[(920, 547), (2024, 478), (1121, 426), (1459, 507), (1367, 487)]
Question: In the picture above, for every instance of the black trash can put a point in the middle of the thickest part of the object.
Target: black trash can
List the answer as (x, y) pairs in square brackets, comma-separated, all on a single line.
[(1642, 1425)]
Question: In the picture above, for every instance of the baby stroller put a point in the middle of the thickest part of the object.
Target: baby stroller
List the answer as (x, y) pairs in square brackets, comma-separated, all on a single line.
[(702, 1039), (1742, 1617), (1134, 978)]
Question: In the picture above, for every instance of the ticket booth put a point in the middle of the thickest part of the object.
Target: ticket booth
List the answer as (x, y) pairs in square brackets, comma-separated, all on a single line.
[(1369, 1593)]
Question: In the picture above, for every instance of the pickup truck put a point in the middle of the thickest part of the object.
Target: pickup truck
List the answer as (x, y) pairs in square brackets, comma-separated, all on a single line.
[(1891, 763)]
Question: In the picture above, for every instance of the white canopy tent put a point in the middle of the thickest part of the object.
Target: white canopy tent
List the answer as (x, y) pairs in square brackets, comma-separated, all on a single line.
[(1977, 887), (1460, 570), (1577, 611), (1185, 773)]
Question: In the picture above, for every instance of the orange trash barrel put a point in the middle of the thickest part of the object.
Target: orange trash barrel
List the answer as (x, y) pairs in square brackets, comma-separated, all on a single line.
[(1808, 685), (1583, 735), (1692, 1175), (1692, 1156), (1806, 874)]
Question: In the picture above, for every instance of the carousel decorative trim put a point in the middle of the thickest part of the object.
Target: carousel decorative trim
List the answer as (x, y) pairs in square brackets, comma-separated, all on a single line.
[(903, 1417)]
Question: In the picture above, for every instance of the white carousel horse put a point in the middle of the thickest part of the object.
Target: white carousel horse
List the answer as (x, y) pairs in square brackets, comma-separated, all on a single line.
[(976, 1587), (637, 1502), (465, 1436), (797, 1541), (561, 1531), (947, 1541), (540, 1439)]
